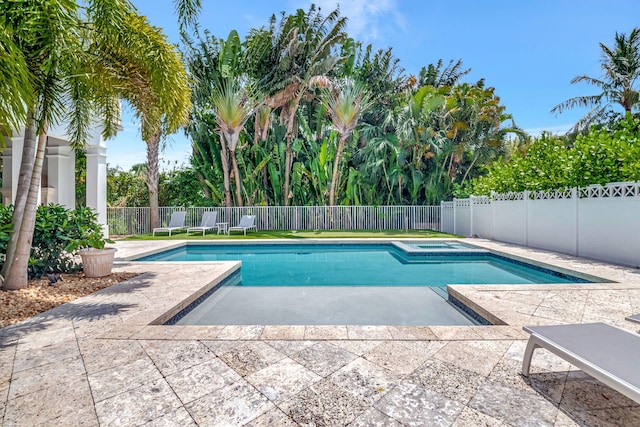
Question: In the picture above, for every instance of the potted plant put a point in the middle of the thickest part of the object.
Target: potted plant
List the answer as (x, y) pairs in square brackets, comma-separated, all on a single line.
[(89, 241)]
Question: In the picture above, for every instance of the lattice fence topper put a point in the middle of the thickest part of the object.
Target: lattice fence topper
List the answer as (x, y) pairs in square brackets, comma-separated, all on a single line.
[(462, 203), (447, 205), (505, 197), (613, 189), (480, 200), (567, 193)]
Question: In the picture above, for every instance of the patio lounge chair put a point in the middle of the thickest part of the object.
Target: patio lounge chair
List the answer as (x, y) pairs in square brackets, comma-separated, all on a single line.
[(634, 318), (175, 223), (605, 352), (247, 222), (208, 222)]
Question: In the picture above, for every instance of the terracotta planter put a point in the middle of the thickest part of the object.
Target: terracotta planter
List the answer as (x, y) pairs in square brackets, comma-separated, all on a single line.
[(97, 262)]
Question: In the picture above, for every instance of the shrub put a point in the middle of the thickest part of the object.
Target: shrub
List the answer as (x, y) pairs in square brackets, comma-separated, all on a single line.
[(5, 229), (601, 156), (56, 229)]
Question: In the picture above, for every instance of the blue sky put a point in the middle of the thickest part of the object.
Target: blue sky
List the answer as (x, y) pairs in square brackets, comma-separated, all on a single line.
[(528, 50)]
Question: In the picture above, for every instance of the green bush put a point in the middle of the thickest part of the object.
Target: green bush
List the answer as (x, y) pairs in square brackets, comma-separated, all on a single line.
[(599, 157), (53, 231), (5, 229), (87, 231), (57, 230)]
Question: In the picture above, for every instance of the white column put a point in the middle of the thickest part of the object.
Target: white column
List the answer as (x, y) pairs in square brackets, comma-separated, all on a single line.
[(11, 159), (97, 182), (61, 172)]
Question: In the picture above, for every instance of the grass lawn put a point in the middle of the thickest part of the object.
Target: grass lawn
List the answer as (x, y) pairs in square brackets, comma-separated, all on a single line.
[(269, 234)]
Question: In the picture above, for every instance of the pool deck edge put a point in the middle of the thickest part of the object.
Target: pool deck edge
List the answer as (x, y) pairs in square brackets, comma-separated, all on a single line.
[(100, 361)]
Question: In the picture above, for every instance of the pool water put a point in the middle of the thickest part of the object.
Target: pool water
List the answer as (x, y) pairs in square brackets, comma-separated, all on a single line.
[(362, 265), (347, 284)]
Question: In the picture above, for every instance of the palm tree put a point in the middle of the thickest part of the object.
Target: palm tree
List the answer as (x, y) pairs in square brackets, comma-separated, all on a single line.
[(62, 42), (345, 106), (620, 64), (232, 105), (15, 85), (288, 60), (52, 39), (187, 12), (156, 85), (436, 76)]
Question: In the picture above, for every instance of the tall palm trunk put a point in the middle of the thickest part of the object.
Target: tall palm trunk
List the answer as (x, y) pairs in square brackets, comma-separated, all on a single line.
[(15, 276), (466, 174), (336, 168), (236, 174), (22, 191), (288, 157), (287, 172), (225, 172), (153, 151)]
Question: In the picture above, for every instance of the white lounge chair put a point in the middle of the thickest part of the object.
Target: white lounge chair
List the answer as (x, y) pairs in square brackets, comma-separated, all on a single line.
[(208, 222), (247, 222), (605, 352), (635, 318), (175, 223)]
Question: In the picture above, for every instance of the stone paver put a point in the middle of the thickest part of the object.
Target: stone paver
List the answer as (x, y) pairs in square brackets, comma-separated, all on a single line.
[(105, 360)]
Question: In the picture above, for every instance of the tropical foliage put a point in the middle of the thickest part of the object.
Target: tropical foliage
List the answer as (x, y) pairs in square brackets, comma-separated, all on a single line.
[(176, 187), (312, 139), (57, 229), (73, 61), (618, 85), (550, 162)]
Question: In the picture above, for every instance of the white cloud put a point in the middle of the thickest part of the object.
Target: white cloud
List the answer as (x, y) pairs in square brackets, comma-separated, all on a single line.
[(557, 130), (368, 19)]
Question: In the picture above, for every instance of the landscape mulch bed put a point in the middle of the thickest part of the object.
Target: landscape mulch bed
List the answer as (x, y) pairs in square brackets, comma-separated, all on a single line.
[(40, 296)]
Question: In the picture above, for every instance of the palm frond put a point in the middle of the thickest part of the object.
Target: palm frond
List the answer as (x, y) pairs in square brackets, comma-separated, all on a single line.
[(187, 12)]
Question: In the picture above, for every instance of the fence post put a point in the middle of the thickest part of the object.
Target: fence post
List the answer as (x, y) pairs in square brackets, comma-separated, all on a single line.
[(455, 222), (471, 215), (525, 196), (493, 214), (576, 229)]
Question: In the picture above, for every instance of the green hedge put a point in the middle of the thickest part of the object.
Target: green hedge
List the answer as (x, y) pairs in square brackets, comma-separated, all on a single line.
[(551, 162)]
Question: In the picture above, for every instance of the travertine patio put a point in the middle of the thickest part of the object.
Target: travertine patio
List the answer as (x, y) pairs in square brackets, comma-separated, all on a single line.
[(100, 361)]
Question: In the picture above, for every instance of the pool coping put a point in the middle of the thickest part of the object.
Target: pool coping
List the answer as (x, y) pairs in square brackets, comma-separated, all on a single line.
[(148, 324), (106, 363)]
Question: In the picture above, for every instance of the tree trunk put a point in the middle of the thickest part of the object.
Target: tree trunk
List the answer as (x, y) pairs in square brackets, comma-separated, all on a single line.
[(16, 275), (287, 172), (336, 168), (265, 184), (469, 169), (288, 158), (153, 152), (236, 173), (22, 191), (225, 172)]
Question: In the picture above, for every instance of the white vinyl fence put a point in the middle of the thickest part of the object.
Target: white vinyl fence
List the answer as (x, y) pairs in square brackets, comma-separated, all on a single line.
[(597, 222), (136, 220)]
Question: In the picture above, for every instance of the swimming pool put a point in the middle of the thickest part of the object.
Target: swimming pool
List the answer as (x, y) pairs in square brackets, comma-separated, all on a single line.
[(365, 265), (395, 282)]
